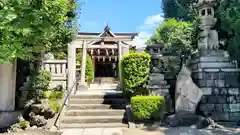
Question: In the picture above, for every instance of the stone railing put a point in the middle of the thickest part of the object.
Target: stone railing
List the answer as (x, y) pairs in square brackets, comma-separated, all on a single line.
[(58, 69)]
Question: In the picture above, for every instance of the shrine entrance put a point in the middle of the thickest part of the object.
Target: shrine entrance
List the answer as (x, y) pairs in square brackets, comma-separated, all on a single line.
[(105, 69)]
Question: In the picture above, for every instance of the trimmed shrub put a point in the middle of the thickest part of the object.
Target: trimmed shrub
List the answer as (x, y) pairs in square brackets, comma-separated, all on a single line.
[(89, 67), (148, 107), (135, 71)]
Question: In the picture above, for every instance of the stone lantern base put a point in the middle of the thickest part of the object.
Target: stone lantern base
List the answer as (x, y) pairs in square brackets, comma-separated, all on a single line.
[(218, 79)]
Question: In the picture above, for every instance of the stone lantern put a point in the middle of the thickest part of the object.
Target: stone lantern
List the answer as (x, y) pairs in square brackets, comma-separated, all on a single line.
[(208, 38)]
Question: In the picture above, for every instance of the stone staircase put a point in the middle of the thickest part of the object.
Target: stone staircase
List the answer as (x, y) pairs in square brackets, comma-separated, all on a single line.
[(95, 108)]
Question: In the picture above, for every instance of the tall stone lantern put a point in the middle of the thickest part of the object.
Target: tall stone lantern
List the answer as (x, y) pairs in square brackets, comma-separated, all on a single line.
[(208, 37), (214, 72)]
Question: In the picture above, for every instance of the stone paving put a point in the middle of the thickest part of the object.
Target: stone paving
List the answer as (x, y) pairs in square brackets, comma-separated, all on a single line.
[(93, 131), (162, 131)]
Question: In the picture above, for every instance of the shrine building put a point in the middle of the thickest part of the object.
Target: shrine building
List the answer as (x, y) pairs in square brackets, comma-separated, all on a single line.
[(105, 49)]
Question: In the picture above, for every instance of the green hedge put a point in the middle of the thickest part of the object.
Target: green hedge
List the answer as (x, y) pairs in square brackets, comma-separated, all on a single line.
[(135, 71), (89, 67), (148, 107)]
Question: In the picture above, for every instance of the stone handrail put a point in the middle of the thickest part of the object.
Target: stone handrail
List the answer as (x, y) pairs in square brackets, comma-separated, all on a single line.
[(58, 68)]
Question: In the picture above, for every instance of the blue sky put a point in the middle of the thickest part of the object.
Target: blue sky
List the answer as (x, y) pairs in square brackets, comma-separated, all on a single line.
[(122, 16)]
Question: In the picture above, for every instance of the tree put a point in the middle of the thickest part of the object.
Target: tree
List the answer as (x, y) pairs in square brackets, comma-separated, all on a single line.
[(179, 9), (176, 36), (89, 67), (29, 27), (228, 12)]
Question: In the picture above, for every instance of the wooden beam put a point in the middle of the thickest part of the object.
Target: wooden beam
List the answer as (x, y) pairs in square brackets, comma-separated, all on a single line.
[(98, 46), (107, 52), (98, 51), (91, 38)]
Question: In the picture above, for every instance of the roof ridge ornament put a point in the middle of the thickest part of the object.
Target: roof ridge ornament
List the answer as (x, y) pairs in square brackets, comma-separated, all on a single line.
[(107, 28)]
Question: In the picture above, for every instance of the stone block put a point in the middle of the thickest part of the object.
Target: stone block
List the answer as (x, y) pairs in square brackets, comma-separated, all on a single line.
[(230, 82), (213, 59), (198, 75), (212, 70), (221, 75), (226, 108), (157, 82), (204, 99), (230, 70), (220, 116), (222, 99), (233, 91), (223, 91), (238, 99), (219, 108), (210, 76), (207, 91), (215, 91), (210, 83), (207, 108), (216, 65), (231, 100), (201, 83), (213, 99), (234, 107), (220, 83), (234, 116)]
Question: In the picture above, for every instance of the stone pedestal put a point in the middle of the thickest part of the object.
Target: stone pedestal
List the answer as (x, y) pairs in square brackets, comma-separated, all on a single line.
[(7, 87), (158, 87), (218, 79)]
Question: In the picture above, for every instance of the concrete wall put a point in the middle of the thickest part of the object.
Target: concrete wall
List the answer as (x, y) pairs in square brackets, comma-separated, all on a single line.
[(7, 95), (7, 87)]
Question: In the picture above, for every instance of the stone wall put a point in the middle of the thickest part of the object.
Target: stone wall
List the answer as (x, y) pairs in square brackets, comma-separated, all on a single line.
[(219, 80)]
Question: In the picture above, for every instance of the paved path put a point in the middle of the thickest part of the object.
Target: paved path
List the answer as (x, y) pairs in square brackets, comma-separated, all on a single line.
[(166, 131), (93, 131)]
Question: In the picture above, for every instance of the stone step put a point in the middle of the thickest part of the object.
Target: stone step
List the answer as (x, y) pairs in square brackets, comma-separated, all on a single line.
[(211, 59), (97, 96), (94, 125), (158, 87), (97, 101), (214, 65), (95, 106), (95, 112), (93, 119), (103, 86), (157, 82)]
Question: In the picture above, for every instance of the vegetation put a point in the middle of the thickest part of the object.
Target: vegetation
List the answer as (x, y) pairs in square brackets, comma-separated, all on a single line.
[(176, 36), (148, 107), (54, 98), (37, 84), (135, 71), (227, 13), (89, 67), (31, 27), (60, 56)]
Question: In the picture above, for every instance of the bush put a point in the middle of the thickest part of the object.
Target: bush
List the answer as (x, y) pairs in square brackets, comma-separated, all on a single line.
[(55, 104), (53, 94), (148, 107), (135, 71), (54, 98), (89, 67), (41, 83), (60, 55), (37, 84)]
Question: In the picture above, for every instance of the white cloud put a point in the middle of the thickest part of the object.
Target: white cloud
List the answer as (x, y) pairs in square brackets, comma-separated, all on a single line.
[(147, 28)]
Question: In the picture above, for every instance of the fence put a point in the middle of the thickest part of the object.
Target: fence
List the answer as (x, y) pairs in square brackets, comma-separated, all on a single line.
[(58, 70)]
